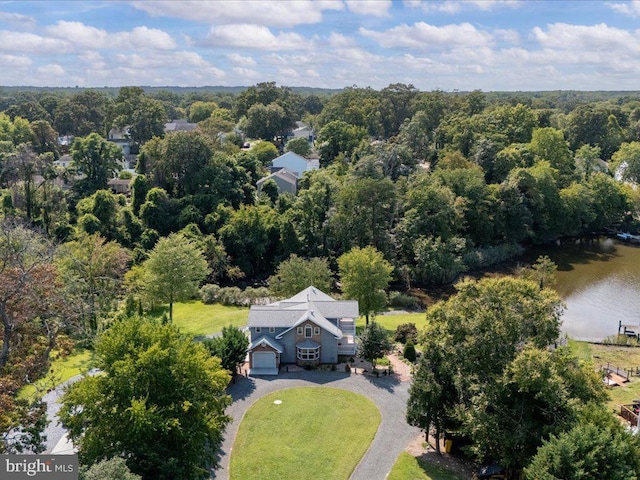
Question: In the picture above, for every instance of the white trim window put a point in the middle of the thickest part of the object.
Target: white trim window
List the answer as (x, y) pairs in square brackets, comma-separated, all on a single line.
[(258, 329), (272, 329), (308, 353), (299, 330), (308, 331), (316, 330)]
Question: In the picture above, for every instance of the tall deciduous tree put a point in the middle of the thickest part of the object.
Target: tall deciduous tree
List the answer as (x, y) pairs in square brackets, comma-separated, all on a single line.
[(627, 161), (31, 315), (364, 275), (96, 158), (299, 145), (482, 346), (143, 116), (174, 270), (92, 270), (22, 166), (296, 273), (159, 402)]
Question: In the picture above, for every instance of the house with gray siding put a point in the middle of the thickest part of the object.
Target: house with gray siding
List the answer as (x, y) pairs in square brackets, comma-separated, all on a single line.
[(310, 328)]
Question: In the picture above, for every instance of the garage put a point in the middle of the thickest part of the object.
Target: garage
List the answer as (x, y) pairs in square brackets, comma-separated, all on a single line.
[(264, 360)]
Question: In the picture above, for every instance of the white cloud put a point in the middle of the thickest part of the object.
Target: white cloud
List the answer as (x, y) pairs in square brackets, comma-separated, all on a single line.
[(85, 36), (631, 8), (17, 19), (507, 35), (422, 36), (376, 8), (291, 73), (14, 61), (456, 6), (253, 37), (246, 74), (31, 43), (281, 13), (51, 70), (588, 38), (93, 59), (241, 59), (337, 40)]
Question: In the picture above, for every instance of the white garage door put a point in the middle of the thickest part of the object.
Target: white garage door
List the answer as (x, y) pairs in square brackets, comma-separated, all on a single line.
[(264, 360)]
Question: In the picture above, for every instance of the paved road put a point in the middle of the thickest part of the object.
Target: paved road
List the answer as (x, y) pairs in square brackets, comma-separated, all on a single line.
[(389, 394)]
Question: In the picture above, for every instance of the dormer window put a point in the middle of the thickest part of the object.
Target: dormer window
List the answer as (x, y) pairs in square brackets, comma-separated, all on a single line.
[(308, 331)]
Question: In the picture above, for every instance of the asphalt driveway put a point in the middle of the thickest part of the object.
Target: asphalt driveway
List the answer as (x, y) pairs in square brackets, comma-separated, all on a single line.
[(388, 393)]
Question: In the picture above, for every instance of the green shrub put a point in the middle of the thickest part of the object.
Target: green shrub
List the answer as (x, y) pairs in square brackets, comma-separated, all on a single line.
[(409, 351), (402, 300), (209, 293), (405, 332)]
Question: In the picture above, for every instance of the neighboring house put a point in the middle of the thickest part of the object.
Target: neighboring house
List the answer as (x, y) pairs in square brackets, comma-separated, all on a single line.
[(294, 163), (179, 126), (309, 328), (120, 136), (120, 185), (64, 161), (286, 181), (302, 130)]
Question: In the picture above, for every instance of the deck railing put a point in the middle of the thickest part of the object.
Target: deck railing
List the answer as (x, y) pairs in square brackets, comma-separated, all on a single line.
[(627, 412)]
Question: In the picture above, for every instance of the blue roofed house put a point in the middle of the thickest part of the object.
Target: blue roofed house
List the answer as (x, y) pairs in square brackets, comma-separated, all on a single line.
[(309, 328), (294, 163)]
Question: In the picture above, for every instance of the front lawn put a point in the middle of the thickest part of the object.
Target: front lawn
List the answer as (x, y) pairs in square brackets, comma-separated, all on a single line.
[(197, 319), (408, 467), (315, 432)]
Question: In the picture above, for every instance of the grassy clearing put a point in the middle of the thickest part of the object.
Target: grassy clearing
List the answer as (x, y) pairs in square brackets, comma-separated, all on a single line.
[(197, 319), (62, 369), (297, 439), (193, 318), (391, 322), (616, 356), (408, 467)]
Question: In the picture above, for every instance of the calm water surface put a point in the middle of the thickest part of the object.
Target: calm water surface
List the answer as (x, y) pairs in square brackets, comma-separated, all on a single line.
[(599, 282)]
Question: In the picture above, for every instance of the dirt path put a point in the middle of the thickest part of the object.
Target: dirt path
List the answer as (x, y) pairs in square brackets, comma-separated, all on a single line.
[(400, 369)]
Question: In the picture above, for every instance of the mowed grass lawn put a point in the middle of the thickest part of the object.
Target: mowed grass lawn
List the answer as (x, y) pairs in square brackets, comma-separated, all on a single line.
[(315, 433), (616, 356), (391, 321), (408, 467), (197, 319), (62, 369)]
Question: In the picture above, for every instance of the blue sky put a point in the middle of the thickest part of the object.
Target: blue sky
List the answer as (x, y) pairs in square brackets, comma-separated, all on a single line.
[(492, 45)]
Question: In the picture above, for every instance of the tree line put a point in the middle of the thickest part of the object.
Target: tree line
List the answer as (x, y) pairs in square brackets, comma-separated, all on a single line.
[(430, 184)]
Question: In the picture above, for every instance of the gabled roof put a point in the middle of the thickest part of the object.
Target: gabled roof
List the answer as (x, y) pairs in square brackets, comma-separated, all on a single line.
[(284, 174), (285, 313), (264, 340), (310, 294), (289, 157), (315, 317)]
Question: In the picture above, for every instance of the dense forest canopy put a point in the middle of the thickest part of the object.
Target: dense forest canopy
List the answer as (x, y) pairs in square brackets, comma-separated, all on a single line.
[(431, 184)]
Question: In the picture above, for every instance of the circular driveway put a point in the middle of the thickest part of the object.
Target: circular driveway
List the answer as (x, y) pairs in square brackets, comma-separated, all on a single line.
[(389, 394)]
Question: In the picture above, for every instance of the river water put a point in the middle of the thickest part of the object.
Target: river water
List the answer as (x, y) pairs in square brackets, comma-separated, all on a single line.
[(599, 282)]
